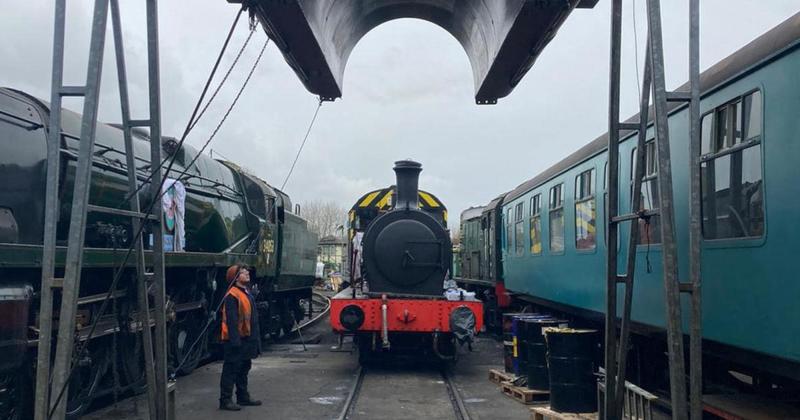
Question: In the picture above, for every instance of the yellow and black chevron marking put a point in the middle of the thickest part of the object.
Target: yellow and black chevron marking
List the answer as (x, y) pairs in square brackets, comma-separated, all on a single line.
[(382, 200), (368, 199)]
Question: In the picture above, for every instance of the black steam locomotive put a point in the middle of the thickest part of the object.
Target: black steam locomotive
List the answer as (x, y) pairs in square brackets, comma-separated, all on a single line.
[(400, 258), (230, 216)]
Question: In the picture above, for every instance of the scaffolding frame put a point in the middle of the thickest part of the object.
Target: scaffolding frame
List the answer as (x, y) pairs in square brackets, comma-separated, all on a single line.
[(53, 374), (654, 80)]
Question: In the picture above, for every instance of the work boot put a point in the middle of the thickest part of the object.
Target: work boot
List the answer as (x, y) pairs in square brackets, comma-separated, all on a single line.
[(245, 401), (228, 405)]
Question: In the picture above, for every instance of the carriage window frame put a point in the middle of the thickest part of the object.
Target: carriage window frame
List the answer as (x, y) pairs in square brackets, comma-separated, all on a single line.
[(712, 151), (586, 192), (649, 176), (535, 223), (556, 204), (519, 228), (508, 230)]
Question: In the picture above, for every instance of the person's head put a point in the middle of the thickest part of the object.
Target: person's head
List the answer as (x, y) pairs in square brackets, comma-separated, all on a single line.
[(238, 273)]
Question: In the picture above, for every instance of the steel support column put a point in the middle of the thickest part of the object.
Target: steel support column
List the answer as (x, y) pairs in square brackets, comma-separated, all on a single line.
[(654, 79), (52, 385), (612, 228), (135, 206), (42, 400), (77, 225), (696, 336), (636, 202), (669, 248), (154, 89)]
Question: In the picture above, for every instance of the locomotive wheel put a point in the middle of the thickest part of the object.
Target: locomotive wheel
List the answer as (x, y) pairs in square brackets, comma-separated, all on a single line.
[(182, 334), (14, 395), (85, 380), (131, 363)]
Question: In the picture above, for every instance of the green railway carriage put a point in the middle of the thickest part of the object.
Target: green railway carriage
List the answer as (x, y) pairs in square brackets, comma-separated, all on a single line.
[(472, 244), (481, 266), (553, 238), (230, 216)]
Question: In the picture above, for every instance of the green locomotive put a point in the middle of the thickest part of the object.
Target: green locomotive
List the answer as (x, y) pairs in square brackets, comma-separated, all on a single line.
[(229, 216)]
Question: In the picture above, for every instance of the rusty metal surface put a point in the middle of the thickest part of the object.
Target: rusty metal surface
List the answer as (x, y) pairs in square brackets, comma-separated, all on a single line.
[(502, 39)]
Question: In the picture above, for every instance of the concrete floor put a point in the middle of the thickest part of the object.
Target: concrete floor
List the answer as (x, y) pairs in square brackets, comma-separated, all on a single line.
[(313, 384)]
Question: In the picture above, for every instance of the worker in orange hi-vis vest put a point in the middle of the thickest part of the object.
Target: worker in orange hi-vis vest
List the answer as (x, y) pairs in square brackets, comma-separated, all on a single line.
[(241, 339)]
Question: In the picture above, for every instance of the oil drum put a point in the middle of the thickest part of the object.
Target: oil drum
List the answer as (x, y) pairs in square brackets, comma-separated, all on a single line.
[(571, 356), (536, 351), (519, 334), (508, 341)]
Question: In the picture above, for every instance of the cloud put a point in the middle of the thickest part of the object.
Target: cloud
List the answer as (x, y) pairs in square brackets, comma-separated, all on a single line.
[(408, 93)]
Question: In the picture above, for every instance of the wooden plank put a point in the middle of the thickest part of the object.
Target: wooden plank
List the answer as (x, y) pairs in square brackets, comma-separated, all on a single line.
[(525, 395), (498, 376), (545, 412)]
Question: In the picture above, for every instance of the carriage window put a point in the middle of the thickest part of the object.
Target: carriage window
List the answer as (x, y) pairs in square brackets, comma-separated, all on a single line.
[(585, 211), (519, 230), (649, 233), (557, 218), (508, 230), (730, 170), (536, 224)]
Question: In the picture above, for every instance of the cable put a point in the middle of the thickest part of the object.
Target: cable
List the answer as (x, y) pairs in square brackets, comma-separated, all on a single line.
[(192, 119), (224, 117), (636, 51), (205, 329), (224, 78), (319, 105)]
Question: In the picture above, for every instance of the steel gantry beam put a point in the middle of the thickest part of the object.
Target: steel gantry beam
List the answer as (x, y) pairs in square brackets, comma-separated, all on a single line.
[(501, 38), (54, 373), (654, 78)]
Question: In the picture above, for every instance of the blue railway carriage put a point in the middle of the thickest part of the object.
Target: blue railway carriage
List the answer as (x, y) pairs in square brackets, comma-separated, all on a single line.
[(553, 240)]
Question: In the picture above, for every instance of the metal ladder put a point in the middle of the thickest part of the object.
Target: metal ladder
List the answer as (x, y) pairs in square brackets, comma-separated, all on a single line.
[(57, 378), (616, 351)]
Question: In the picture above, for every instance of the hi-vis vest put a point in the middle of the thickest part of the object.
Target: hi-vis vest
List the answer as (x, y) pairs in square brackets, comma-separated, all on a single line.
[(244, 313)]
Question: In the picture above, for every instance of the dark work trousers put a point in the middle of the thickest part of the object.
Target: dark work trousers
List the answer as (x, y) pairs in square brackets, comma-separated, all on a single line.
[(235, 368)]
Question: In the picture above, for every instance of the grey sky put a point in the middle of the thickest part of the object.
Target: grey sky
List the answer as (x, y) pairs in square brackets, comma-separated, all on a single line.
[(408, 93)]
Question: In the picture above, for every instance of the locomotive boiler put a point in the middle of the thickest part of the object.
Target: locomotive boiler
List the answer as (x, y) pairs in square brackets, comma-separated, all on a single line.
[(400, 261)]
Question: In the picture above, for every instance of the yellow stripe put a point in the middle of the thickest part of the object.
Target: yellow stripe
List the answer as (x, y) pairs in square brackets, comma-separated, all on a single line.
[(371, 196), (428, 199), (352, 215), (385, 201), (444, 216)]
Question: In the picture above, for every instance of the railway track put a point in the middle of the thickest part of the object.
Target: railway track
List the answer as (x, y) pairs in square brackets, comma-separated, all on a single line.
[(320, 300), (350, 409)]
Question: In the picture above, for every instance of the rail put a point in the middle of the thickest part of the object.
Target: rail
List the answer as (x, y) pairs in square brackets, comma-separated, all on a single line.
[(459, 408), (320, 298)]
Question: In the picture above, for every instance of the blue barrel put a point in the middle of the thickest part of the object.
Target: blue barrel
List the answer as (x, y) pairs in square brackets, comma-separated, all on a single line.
[(520, 337), (535, 351), (508, 341), (572, 358)]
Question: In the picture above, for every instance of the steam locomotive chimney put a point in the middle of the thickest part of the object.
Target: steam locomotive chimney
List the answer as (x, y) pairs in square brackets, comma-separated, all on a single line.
[(407, 172)]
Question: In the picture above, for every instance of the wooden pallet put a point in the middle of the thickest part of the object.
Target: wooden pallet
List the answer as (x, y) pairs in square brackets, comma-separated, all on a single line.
[(525, 395), (545, 413), (498, 376)]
